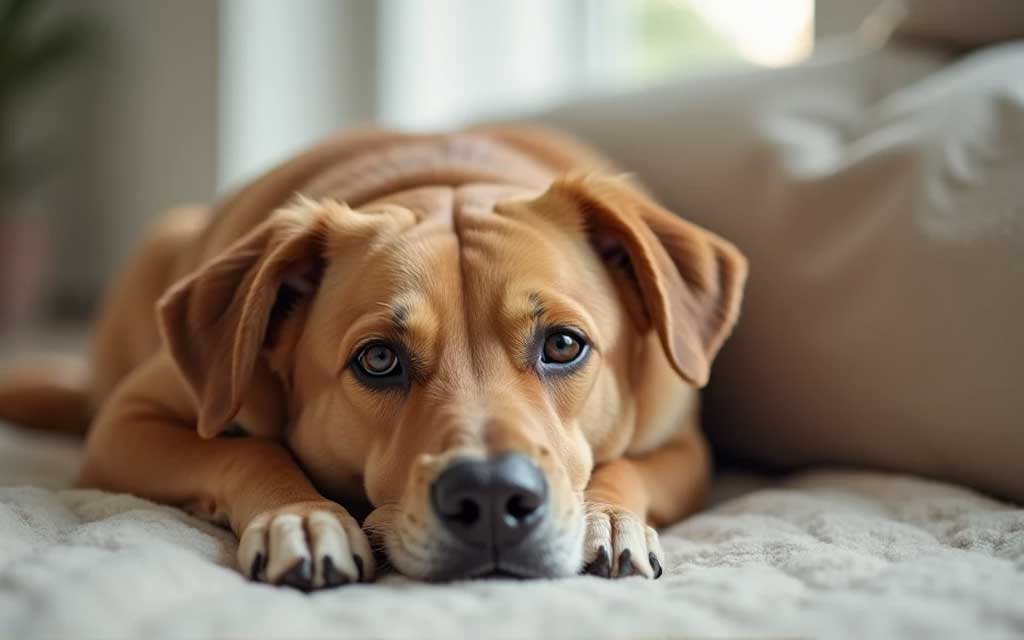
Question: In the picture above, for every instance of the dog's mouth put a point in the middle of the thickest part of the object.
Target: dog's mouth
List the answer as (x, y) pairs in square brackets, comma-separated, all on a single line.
[(551, 553), (554, 552), (502, 574), (495, 570)]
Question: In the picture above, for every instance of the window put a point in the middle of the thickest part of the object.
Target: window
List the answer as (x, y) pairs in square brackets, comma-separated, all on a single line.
[(446, 62), (289, 77)]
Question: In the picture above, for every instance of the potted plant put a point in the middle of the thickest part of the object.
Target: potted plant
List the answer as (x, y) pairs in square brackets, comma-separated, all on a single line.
[(36, 44)]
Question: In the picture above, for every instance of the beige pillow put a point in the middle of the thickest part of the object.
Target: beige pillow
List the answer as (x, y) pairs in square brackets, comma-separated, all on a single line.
[(963, 24), (880, 199)]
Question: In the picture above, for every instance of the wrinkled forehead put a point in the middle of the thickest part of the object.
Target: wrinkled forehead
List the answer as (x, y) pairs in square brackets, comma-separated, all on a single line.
[(400, 287), (520, 254), (465, 272)]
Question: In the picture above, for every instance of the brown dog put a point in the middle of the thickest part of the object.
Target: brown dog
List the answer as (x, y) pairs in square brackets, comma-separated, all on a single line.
[(483, 335)]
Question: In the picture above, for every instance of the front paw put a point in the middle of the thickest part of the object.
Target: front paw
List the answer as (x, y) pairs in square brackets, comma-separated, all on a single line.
[(619, 544), (307, 545)]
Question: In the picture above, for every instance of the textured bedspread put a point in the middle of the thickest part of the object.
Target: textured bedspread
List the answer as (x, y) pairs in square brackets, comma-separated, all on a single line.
[(823, 554)]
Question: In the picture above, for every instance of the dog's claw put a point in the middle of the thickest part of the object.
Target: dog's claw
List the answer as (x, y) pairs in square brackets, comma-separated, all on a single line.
[(333, 577), (655, 565), (299, 576), (626, 539), (626, 567), (257, 566), (601, 565), (359, 566), (306, 546)]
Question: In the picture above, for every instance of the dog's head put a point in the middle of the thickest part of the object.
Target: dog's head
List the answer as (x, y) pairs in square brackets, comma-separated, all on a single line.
[(457, 370)]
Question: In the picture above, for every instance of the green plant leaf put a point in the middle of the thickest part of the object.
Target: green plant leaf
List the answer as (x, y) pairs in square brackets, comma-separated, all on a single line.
[(27, 64), (14, 14)]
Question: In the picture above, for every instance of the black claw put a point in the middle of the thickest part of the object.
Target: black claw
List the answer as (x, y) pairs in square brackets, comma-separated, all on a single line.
[(257, 567), (601, 565), (655, 564), (333, 577), (359, 566), (626, 567), (299, 576)]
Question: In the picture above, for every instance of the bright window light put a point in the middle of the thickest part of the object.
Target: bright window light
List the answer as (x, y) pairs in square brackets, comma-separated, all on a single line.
[(772, 33)]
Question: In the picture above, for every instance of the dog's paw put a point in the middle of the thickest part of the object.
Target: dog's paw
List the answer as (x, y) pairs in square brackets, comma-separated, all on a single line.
[(308, 545), (619, 544)]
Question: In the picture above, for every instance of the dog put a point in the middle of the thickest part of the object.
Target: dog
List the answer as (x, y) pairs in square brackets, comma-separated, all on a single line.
[(489, 342)]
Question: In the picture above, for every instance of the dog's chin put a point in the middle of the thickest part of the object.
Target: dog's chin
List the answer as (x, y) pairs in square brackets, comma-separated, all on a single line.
[(552, 553)]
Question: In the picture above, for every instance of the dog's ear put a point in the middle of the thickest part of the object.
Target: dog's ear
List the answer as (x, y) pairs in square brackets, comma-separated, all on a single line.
[(216, 321), (690, 281)]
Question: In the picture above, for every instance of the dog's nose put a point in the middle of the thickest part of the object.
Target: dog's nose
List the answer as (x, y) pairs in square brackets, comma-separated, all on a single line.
[(497, 501)]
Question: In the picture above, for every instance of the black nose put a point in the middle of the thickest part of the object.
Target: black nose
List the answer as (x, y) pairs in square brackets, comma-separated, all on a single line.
[(497, 501)]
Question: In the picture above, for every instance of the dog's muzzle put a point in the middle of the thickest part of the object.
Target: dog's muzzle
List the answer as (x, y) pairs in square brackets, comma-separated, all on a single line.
[(491, 507)]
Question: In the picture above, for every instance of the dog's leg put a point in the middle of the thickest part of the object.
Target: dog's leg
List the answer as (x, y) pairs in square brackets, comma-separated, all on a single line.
[(126, 332), (144, 442), (47, 393), (626, 495)]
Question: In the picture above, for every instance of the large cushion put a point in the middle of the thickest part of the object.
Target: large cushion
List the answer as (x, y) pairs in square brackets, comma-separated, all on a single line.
[(963, 24), (880, 198)]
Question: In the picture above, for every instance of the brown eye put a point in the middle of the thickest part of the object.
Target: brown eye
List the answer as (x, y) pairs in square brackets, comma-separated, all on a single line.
[(562, 348), (378, 360)]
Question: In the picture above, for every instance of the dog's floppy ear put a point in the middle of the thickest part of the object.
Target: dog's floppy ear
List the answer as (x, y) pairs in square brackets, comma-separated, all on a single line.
[(215, 321), (690, 281)]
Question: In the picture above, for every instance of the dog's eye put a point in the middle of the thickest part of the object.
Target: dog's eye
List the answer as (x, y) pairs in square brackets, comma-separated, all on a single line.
[(379, 360), (562, 347)]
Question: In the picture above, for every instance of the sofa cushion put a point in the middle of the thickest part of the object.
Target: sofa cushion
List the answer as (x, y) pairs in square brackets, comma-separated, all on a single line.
[(879, 196), (963, 25)]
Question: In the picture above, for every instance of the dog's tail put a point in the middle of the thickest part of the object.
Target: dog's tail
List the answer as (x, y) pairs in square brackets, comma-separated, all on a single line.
[(51, 393)]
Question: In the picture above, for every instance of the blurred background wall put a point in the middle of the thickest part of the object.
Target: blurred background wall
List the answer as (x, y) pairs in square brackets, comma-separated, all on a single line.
[(182, 101), (125, 127)]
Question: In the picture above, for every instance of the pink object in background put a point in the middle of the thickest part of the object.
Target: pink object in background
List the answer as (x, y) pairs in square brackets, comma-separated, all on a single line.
[(26, 258)]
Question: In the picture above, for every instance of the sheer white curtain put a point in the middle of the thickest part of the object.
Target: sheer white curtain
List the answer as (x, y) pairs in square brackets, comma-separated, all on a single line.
[(444, 62), (292, 72)]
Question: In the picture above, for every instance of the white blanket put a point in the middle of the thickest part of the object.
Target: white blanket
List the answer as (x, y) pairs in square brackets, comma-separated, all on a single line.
[(824, 554)]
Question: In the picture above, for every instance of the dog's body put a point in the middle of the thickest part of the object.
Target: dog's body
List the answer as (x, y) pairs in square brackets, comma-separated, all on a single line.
[(499, 357)]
